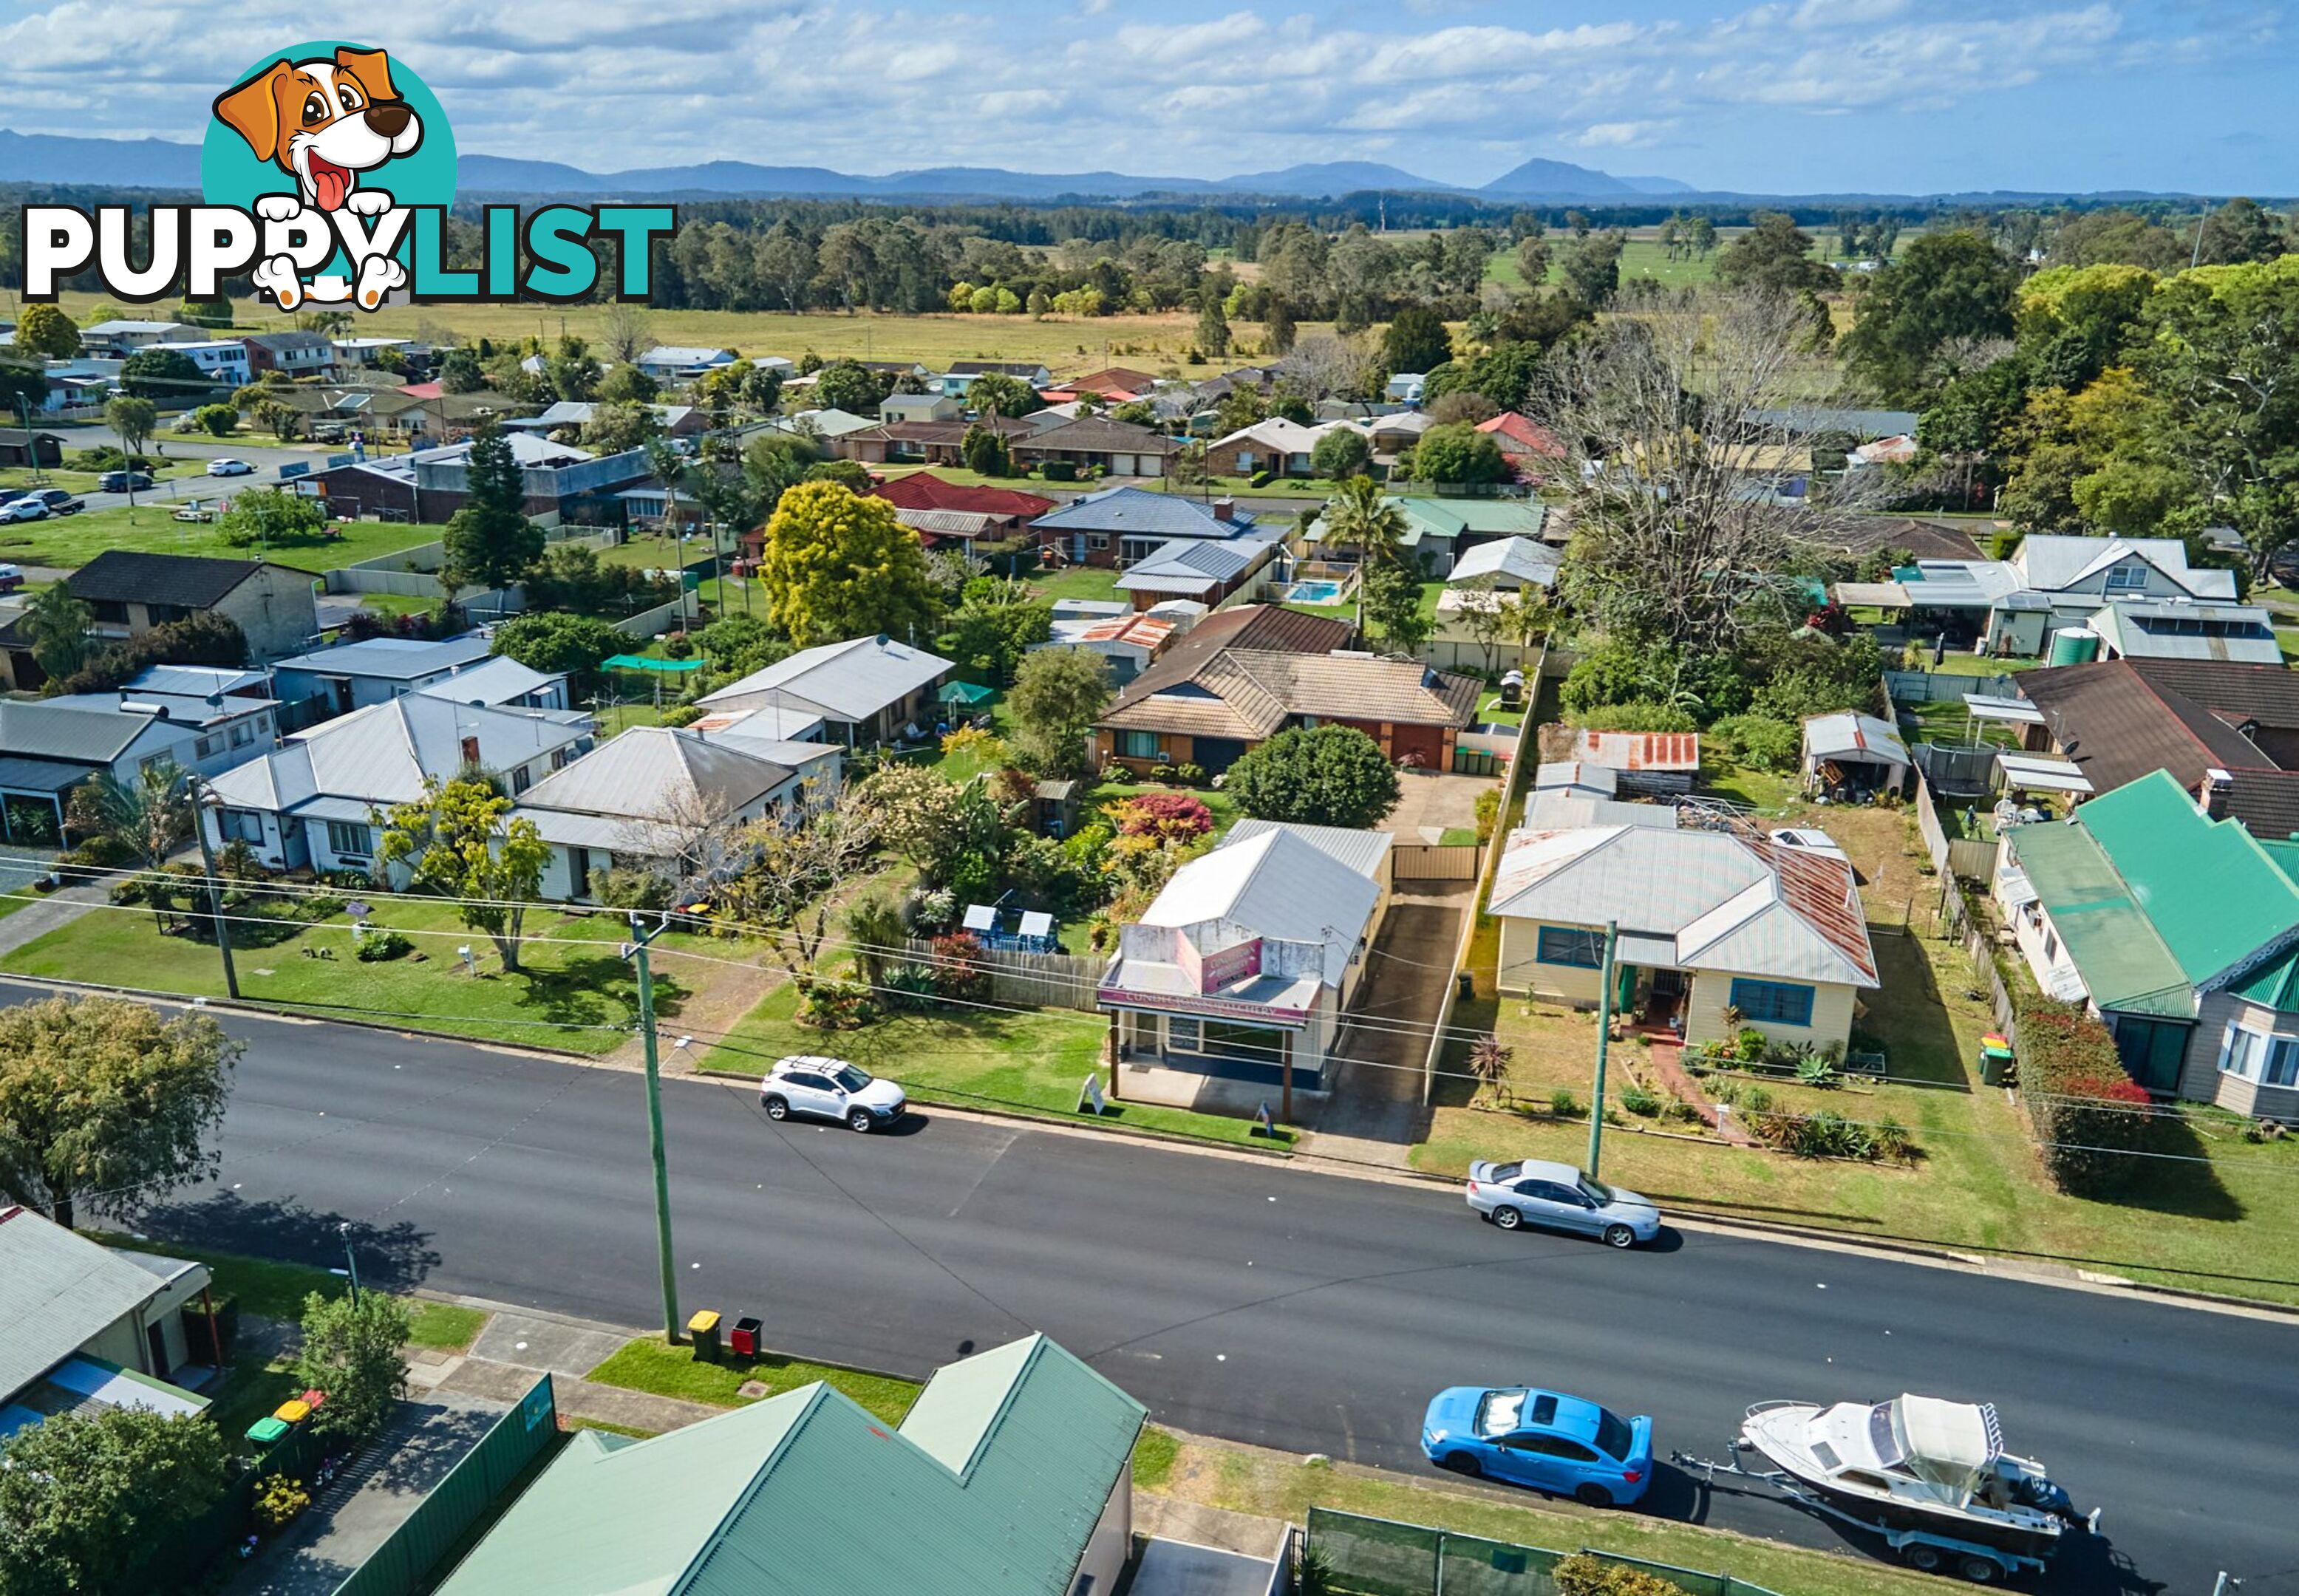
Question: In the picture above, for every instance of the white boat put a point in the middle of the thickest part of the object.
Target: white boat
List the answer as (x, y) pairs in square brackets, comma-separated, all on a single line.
[(1931, 1474)]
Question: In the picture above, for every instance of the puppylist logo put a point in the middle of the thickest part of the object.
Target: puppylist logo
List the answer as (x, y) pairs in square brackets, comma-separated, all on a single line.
[(328, 171)]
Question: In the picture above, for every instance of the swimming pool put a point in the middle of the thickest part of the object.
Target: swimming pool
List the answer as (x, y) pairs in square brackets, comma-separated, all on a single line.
[(1311, 593)]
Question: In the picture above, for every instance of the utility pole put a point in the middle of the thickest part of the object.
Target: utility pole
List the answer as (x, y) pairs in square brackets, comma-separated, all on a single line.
[(344, 1229), (1603, 1040), (640, 937), (215, 885)]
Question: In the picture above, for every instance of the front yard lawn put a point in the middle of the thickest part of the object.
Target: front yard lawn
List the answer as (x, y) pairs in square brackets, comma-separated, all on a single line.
[(151, 528), (1031, 1060), (573, 992), (647, 1365)]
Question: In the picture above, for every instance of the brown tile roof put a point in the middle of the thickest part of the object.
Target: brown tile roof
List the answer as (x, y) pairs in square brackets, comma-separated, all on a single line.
[(922, 490), (1263, 626), (2117, 721), (1925, 539), (2267, 802), (2266, 694), (1097, 434), (1250, 692), (1109, 379)]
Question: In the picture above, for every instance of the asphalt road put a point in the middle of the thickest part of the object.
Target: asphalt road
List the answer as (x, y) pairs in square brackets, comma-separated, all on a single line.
[(1260, 1302)]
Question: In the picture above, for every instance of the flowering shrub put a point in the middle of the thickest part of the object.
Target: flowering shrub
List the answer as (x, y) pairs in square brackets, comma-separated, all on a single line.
[(959, 969), (2087, 1109), (1165, 816)]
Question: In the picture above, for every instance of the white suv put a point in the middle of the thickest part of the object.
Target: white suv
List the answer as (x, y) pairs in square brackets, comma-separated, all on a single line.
[(830, 1088)]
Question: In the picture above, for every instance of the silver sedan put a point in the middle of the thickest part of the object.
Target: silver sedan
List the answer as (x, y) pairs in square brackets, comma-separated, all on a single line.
[(1557, 1196)]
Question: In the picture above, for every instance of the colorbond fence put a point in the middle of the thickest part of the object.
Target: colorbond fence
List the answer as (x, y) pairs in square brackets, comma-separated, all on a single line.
[(404, 1563)]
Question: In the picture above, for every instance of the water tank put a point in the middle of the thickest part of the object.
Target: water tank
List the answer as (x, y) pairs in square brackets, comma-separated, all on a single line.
[(2078, 645)]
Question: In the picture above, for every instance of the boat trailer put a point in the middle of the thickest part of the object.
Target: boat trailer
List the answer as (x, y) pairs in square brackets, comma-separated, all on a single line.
[(1920, 1548)]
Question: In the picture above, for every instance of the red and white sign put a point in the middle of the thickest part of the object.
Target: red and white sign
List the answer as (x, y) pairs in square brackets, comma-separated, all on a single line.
[(1229, 966)]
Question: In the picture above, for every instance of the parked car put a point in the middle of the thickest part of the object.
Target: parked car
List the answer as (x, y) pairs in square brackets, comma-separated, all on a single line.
[(223, 468), (61, 501), (830, 1088), (11, 577), (1565, 1446), (27, 508), (120, 482), (1557, 1196)]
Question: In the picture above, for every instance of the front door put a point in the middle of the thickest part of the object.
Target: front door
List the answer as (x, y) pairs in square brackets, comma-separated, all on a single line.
[(155, 1342), (578, 873)]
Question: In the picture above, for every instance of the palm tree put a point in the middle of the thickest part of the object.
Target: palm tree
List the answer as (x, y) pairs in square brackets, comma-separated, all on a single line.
[(1360, 515), (57, 624), (151, 816)]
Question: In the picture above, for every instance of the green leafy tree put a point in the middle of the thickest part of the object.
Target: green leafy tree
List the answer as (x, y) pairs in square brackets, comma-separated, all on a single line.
[(47, 331), (986, 451), (1360, 516), (1392, 600), (57, 625), (1213, 328), (490, 542), (217, 420), (462, 841), (1322, 776), (1415, 341), (282, 421), (554, 642), (1008, 396), (1458, 453), (1278, 327), (85, 1498), (268, 516), (103, 1094), (627, 384), (350, 1351), (852, 475), (2239, 232), (996, 624), (837, 566), (1592, 267), (1944, 287), (460, 372), (1058, 695), (134, 420), (1341, 453), (619, 425), (849, 386), (1774, 254), (167, 375)]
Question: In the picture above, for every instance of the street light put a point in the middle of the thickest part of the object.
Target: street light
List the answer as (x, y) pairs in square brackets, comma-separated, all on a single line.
[(344, 1229)]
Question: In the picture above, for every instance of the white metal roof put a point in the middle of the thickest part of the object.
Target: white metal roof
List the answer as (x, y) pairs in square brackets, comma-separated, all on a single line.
[(1983, 706), (390, 659), (659, 774), (380, 755), (1363, 852), (1274, 884), (57, 1290), (2039, 773), (1508, 561), (850, 680), (1849, 735), (497, 681)]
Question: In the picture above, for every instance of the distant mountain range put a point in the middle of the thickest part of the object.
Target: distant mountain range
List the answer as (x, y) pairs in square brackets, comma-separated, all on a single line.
[(156, 163), (60, 160)]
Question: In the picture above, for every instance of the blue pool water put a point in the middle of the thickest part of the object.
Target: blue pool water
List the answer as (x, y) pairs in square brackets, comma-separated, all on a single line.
[(1312, 592)]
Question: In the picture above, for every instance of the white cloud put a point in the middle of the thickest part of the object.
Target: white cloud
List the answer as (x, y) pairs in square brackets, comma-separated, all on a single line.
[(1619, 135)]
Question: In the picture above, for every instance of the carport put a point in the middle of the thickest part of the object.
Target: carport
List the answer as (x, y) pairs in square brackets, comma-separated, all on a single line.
[(32, 799)]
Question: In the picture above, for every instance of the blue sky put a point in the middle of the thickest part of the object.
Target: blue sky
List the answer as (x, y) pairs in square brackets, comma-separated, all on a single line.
[(1777, 96)]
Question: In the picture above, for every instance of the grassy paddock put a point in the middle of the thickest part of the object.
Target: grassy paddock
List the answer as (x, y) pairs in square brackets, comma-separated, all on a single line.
[(72, 541)]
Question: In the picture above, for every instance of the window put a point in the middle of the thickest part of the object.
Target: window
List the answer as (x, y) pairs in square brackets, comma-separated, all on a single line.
[(1777, 1002), (1570, 946), (1184, 1035), (2239, 1052), (558, 758), (2051, 946), (207, 748), (242, 734), (2128, 579), (2270, 1060), (1097, 540), (1139, 745), (240, 826), (470, 750), (348, 839), (2282, 1068), (521, 779)]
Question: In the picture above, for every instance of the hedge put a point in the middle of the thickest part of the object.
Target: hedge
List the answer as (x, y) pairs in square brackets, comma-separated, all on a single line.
[(2087, 1109)]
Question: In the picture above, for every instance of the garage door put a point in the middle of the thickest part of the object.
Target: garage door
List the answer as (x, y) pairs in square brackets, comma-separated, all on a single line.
[(1216, 754)]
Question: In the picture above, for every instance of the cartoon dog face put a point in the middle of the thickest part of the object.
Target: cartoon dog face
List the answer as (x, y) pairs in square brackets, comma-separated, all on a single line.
[(323, 122)]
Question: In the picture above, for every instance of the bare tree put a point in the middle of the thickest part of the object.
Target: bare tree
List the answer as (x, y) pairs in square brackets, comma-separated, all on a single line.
[(1678, 416), (1323, 366), (795, 861), (625, 333)]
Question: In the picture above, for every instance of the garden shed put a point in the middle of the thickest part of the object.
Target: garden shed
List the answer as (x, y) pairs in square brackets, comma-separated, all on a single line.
[(1857, 755)]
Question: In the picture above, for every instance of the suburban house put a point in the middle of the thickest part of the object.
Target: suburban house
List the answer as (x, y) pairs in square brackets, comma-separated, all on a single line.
[(1113, 384), (1438, 531), (1406, 387), (563, 484), (223, 358), (929, 441), (682, 363), (654, 798), (1227, 687), (1529, 447), (676, 420), (130, 594), (1012, 1472), (791, 737), (2227, 733), (1098, 443), (21, 448), (49, 745), (920, 407), (352, 354), (2186, 629), (1708, 921), (2178, 930), (310, 802), (1481, 585), (941, 511), (351, 676), (2054, 584), (89, 1328), (1391, 434), (1244, 966), (1210, 573), (502, 683), (865, 691), (118, 338), (962, 374), (295, 353), (1275, 445), (1118, 526)]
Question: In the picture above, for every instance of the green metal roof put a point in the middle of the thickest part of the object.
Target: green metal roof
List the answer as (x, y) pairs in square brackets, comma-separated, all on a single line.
[(2213, 895), (2125, 965), (990, 1487), (965, 692)]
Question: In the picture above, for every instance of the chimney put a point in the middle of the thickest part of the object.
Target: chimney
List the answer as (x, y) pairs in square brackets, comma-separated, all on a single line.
[(1224, 509), (2211, 793)]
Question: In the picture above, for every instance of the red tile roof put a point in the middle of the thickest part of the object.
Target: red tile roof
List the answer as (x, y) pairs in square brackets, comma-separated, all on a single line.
[(424, 391), (922, 490), (1526, 433)]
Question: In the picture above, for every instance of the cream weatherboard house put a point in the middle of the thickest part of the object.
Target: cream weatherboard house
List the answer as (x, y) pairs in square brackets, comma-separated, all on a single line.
[(1708, 921)]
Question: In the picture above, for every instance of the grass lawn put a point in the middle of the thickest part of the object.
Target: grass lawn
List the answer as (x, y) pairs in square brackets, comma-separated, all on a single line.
[(1223, 806), (1241, 487), (72, 541), (443, 1327), (1027, 1060), (1278, 1485), (1946, 720), (578, 996), (396, 604), (647, 1365), (1089, 583), (1458, 837)]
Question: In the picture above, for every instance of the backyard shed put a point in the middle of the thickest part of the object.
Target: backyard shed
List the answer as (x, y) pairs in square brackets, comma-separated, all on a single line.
[(1855, 753)]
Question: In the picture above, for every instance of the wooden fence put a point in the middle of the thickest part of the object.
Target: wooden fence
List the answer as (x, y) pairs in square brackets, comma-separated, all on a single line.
[(1434, 861), (1057, 981), (1957, 858)]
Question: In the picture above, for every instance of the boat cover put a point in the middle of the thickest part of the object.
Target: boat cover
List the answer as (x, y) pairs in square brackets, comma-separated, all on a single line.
[(1948, 1441)]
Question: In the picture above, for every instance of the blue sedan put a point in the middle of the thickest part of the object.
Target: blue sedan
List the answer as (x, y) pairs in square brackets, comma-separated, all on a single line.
[(1545, 1439)]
